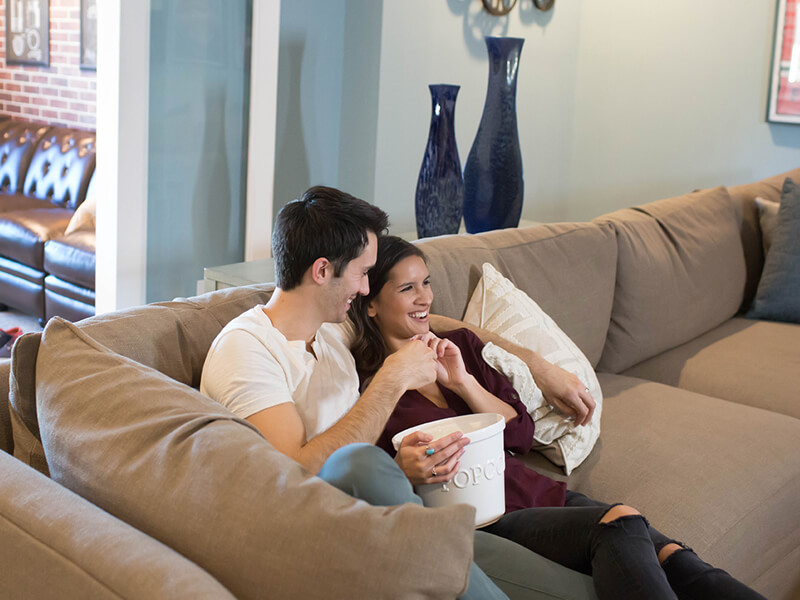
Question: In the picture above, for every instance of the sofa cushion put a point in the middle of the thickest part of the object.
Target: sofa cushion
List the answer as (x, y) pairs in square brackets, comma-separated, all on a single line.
[(502, 309), (680, 273), (13, 202), (567, 268), (750, 362), (778, 294), (171, 337), (743, 197), (181, 468), (57, 545), (72, 257), (17, 145), (767, 220), (65, 299), (24, 232), (722, 477), (61, 167)]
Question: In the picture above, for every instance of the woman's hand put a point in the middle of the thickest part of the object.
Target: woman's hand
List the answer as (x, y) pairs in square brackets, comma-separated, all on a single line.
[(422, 467), (450, 369)]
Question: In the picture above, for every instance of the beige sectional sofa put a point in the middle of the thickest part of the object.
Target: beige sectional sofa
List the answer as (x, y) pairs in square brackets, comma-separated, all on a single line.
[(700, 426)]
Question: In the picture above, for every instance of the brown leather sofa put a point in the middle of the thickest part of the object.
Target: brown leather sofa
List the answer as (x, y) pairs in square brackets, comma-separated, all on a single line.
[(45, 173)]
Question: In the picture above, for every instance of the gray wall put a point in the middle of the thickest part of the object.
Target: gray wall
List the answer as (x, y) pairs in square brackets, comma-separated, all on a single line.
[(199, 92), (619, 102), (327, 96)]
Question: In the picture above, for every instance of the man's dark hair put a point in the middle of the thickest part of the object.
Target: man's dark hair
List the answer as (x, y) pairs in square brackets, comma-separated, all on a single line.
[(323, 222)]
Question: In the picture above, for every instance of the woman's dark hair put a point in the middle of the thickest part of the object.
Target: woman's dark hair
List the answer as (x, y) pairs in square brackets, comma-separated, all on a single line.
[(324, 222), (368, 347)]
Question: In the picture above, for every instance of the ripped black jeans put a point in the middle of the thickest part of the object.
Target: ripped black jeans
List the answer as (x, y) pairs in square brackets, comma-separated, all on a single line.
[(621, 555)]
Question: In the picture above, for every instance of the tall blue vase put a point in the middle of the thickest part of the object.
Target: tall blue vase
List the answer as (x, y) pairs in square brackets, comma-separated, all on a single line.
[(493, 184), (440, 186)]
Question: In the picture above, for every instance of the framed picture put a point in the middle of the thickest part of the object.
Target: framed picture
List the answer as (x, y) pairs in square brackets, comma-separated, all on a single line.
[(89, 35), (784, 92), (28, 32)]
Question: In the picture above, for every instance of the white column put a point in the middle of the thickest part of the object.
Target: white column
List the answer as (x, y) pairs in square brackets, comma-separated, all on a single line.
[(123, 71), (261, 139)]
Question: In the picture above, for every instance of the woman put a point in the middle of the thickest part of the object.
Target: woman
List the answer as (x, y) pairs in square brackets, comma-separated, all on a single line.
[(613, 543)]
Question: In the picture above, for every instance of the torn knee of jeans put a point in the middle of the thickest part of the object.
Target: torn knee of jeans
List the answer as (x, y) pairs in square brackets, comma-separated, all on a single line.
[(617, 521)]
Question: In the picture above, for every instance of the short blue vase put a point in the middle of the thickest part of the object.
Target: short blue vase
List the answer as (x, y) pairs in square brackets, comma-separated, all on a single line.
[(493, 183), (440, 186)]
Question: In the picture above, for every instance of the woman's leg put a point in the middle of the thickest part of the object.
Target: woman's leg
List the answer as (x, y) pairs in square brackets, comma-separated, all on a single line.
[(610, 543), (368, 473), (690, 577)]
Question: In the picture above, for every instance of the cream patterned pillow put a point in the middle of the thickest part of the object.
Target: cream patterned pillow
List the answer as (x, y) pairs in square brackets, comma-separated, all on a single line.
[(498, 306)]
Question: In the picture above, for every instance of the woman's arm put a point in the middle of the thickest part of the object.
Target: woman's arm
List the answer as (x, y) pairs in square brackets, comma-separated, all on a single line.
[(560, 388), (483, 388)]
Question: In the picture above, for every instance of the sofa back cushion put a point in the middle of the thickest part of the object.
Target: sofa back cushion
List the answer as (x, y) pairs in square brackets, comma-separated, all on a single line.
[(17, 145), (181, 468), (567, 268), (61, 167), (171, 337), (680, 273), (743, 197)]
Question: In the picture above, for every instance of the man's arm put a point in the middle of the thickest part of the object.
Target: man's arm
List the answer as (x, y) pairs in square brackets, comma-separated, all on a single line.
[(411, 367), (560, 388)]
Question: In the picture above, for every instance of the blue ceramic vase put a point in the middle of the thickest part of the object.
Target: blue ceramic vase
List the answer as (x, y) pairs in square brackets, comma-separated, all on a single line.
[(493, 184), (440, 186)]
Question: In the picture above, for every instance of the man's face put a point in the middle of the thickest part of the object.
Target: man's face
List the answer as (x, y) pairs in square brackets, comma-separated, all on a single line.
[(353, 281)]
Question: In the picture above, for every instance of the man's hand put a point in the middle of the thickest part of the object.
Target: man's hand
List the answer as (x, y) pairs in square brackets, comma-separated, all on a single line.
[(413, 366), (564, 391)]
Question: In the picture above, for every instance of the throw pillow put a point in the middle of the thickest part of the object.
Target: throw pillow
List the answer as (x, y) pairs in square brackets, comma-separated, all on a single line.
[(778, 295), (498, 306), (767, 220), (84, 217)]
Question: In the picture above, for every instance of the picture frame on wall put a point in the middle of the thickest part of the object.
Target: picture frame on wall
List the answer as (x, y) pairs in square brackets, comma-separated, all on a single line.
[(89, 35), (784, 92), (28, 32)]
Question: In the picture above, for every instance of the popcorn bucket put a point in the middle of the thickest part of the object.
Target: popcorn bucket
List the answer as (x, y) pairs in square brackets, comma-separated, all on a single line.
[(480, 479)]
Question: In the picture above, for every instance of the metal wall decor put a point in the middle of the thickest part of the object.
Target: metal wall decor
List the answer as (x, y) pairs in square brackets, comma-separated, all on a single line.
[(500, 8), (28, 32)]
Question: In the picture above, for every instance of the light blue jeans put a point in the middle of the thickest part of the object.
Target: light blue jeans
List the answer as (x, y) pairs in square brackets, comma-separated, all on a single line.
[(502, 568)]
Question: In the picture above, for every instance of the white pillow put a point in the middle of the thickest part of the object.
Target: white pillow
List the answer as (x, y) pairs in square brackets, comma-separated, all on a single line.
[(767, 220), (84, 217), (498, 306)]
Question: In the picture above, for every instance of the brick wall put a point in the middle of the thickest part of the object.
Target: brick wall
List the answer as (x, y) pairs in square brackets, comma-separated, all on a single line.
[(61, 94)]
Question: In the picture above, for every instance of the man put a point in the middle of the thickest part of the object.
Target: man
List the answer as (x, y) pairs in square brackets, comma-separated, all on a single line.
[(287, 368)]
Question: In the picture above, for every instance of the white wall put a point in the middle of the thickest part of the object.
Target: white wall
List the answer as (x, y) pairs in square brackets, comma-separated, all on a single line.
[(619, 102)]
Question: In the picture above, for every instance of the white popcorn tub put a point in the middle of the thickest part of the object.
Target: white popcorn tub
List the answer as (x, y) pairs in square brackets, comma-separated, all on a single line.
[(480, 479)]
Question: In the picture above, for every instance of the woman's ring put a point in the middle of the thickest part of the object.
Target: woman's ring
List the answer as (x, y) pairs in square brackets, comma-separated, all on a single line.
[(429, 451), (434, 471), (586, 390)]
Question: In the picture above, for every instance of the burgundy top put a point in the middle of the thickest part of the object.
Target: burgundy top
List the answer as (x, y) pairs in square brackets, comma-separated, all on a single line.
[(525, 488)]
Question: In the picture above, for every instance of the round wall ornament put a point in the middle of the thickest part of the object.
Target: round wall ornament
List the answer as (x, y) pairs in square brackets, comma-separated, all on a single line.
[(544, 4), (499, 8)]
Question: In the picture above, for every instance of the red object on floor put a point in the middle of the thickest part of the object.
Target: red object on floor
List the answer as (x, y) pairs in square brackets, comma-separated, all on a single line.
[(8, 337)]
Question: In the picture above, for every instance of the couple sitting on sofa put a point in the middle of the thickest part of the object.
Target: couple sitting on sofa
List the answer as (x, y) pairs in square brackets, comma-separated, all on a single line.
[(287, 367)]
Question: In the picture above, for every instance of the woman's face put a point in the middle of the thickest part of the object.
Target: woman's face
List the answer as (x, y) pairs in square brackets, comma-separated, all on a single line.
[(400, 309)]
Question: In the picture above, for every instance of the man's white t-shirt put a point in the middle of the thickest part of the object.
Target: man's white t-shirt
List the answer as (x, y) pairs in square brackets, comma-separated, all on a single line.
[(252, 366)]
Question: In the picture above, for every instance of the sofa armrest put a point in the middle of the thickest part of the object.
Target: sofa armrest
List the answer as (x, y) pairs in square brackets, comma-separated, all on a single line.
[(58, 545), (6, 438)]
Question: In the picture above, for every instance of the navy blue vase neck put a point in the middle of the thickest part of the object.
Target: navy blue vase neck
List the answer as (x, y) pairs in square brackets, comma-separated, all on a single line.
[(493, 181), (440, 186)]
